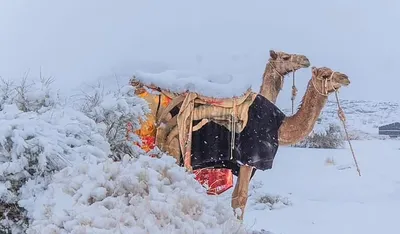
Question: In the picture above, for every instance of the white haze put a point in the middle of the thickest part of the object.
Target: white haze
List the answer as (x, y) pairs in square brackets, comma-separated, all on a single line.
[(81, 41)]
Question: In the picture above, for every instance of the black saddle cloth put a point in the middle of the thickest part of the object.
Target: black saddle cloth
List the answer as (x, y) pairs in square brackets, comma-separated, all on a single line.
[(255, 146)]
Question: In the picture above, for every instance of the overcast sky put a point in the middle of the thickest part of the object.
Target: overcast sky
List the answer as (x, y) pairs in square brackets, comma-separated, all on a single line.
[(77, 41)]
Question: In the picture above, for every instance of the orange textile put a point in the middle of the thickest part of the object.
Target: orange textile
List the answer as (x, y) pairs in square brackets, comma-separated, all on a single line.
[(216, 181), (147, 132)]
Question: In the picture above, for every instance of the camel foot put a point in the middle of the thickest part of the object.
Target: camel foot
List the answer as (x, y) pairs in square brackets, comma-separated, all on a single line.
[(239, 195), (238, 205)]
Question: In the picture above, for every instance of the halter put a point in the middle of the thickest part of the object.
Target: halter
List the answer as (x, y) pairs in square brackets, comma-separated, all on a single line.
[(279, 74), (325, 87), (341, 114), (294, 89)]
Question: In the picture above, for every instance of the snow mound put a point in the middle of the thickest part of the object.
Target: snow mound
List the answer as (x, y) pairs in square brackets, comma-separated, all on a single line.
[(213, 85), (135, 195), (34, 144), (112, 111)]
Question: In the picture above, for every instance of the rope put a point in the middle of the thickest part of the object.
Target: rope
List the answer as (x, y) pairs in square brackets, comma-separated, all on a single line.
[(294, 91), (341, 114), (279, 74), (233, 127), (342, 117), (324, 85)]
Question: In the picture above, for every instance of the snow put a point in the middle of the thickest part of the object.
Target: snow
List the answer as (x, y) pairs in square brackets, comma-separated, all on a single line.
[(67, 183), (57, 170), (60, 155), (33, 144), (307, 190), (362, 117), (318, 197), (209, 84), (145, 195), (40, 135), (54, 156)]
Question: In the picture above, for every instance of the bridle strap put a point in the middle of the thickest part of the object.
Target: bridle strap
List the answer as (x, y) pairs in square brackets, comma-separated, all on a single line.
[(281, 75), (325, 82)]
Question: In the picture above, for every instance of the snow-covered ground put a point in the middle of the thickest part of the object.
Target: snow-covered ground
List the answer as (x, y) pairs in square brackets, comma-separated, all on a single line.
[(307, 191), (327, 198), (363, 117), (318, 190)]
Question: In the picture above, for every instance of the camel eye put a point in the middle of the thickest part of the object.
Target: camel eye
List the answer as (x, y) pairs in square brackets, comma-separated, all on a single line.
[(286, 57)]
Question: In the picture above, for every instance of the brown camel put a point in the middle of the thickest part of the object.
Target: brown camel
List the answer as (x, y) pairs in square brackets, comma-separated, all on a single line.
[(295, 128), (279, 65)]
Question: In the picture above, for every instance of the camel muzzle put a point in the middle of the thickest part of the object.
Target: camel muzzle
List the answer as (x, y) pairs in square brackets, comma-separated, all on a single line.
[(345, 79), (305, 62)]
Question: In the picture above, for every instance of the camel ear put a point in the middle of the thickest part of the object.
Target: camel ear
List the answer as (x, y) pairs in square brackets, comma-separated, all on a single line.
[(273, 54), (314, 71)]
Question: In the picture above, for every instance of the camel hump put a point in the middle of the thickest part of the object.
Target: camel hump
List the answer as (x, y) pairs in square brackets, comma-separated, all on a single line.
[(215, 86)]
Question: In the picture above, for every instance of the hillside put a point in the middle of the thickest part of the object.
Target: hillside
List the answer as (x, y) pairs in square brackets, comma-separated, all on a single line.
[(363, 117)]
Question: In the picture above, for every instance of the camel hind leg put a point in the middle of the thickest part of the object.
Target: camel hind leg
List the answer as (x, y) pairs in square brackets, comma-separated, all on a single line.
[(241, 190)]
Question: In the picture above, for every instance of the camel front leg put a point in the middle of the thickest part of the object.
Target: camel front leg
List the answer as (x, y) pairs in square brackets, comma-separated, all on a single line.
[(240, 193)]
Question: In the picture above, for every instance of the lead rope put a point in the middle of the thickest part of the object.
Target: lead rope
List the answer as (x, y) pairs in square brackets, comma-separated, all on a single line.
[(233, 127), (294, 91), (341, 114), (342, 117)]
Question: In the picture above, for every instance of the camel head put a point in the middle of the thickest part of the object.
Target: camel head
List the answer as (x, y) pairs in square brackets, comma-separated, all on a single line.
[(327, 81), (285, 63)]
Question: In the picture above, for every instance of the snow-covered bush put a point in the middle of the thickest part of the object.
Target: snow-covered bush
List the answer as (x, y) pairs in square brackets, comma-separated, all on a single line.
[(29, 95), (263, 201), (57, 176), (135, 195), (112, 111), (260, 200), (330, 137), (39, 136)]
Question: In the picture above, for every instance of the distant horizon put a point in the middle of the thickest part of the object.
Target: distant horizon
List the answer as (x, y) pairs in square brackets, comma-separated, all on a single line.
[(110, 82), (79, 42)]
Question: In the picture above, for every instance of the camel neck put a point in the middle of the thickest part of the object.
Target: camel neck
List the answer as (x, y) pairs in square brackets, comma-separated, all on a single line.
[(311, 105), (302, 123), (271, 83)]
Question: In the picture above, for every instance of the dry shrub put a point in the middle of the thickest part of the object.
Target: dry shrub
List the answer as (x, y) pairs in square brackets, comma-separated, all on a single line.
[(331, 138)]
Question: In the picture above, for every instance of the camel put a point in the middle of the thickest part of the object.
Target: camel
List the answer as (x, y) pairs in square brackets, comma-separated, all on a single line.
[(279, 65), (266, 127), (326, 81), (295, 128)]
